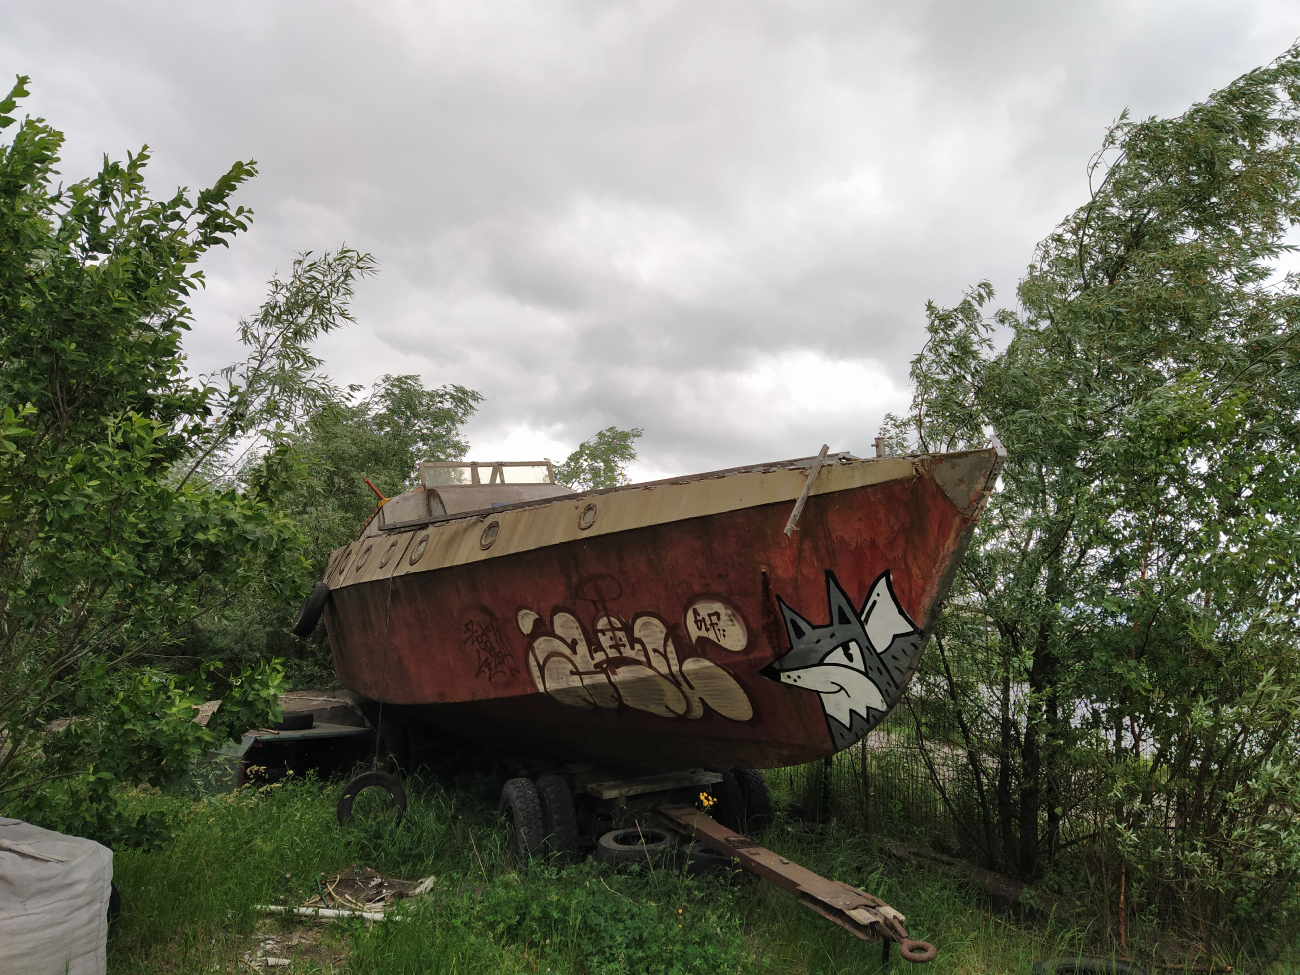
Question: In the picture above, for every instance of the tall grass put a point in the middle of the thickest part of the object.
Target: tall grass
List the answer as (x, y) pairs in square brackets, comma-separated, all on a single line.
[(188, 907)]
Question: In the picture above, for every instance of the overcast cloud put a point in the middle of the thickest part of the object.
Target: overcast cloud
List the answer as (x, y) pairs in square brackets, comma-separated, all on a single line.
[(716, 221)]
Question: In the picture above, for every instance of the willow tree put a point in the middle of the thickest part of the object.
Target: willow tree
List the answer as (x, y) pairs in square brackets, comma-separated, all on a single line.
[(1118, 658)]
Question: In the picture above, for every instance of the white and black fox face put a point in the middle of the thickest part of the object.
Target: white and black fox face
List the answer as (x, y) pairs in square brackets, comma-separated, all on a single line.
[(856, 662)]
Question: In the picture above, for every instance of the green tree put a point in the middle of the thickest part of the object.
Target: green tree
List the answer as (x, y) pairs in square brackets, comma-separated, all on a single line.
[(381, 436), (600, 462), (345, 440), (107, 551), (1118, 658)]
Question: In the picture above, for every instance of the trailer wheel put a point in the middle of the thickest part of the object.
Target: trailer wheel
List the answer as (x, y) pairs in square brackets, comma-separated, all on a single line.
[(758, 800), (560, 816), (367, 780), (729, 810), (643, 844), (522, 809), (309, 613)]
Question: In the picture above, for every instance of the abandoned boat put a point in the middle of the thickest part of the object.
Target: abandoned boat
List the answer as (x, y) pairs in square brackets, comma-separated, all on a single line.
[(757, 617)]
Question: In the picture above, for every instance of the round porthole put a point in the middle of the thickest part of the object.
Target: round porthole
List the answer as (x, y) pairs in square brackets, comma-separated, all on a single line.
[(361, 562), (587, 518), (388, 552), (420, 546), (489, 535)]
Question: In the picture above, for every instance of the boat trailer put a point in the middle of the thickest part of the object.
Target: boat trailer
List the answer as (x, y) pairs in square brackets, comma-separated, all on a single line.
[(614, 801), (617, 802), (863, 915)]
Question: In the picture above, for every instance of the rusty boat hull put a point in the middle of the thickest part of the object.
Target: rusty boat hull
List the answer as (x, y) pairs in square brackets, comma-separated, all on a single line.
[(661, 625)]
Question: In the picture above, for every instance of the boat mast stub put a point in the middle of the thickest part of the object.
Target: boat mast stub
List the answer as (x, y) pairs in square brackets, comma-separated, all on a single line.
[(813, 471)]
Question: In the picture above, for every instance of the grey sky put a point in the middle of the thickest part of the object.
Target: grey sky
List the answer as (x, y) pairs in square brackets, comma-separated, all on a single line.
[(716, 221)]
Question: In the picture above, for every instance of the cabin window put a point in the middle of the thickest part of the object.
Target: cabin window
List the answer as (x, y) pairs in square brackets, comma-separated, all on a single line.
[(440, 473)]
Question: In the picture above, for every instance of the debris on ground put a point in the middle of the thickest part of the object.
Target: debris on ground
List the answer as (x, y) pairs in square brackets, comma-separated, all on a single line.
[(276, 947), (356, 892), (362, 890)]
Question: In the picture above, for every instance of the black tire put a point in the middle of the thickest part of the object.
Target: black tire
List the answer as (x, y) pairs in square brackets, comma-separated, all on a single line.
[(367, 780), (701, 859), (729, 809), (758, 800), (296, 721), (522, 809), (309, 613), (635, 844), (560, 817), (114, 903), (1084, 965)]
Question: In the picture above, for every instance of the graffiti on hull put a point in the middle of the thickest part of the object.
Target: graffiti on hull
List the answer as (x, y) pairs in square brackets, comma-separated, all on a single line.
[(857, 662), (635, 663)]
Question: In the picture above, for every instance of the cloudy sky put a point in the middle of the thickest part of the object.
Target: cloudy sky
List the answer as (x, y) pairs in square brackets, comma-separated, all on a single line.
[(717, 221)]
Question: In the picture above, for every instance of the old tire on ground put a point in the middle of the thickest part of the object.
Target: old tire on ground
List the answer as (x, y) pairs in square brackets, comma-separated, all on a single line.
[(560, 818), (368, 780), (1084, 964), (309, 613), (701, 859), (758, 800), (522, 809), (634, 844), (296, 721), (729, 809)]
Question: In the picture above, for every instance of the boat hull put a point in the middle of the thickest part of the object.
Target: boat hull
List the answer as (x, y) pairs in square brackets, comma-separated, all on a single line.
[(662, 645)]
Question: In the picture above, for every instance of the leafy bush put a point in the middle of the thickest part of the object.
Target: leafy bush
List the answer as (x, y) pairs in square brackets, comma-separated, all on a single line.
[(107, 549)]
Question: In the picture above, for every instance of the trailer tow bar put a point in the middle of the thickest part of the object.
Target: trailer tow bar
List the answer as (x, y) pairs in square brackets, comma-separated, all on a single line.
[(863, 914)]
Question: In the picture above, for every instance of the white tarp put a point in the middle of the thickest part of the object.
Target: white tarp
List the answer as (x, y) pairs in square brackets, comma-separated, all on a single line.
[(54, 892)]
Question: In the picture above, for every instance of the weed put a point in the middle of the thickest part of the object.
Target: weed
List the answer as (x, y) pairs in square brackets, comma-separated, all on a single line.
[(189, 906)]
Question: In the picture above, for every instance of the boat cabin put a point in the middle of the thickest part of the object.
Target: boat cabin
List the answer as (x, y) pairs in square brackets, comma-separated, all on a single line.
[(450, 488)]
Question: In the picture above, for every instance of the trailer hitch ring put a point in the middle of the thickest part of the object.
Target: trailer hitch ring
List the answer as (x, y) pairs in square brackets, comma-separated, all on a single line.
[(918, 952)]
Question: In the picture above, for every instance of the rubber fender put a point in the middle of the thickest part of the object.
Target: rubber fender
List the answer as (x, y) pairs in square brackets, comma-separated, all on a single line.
[(367, 780), (309, 613)]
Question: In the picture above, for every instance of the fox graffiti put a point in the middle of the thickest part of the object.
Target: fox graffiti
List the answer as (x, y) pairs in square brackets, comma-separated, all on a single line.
[(857, 662)]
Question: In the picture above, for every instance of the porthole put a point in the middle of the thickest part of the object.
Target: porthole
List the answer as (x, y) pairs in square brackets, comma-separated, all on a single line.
[(340, 567), (421, 544), (489, 535), (365, 555), (388, 552), (587, 518)]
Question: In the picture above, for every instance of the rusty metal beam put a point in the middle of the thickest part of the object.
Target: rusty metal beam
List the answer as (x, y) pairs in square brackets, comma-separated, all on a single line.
[(863, 914)]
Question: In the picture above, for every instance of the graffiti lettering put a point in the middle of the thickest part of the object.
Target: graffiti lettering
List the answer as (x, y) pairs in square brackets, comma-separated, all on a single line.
[(494, 663), (714, 620), (633, 664)]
